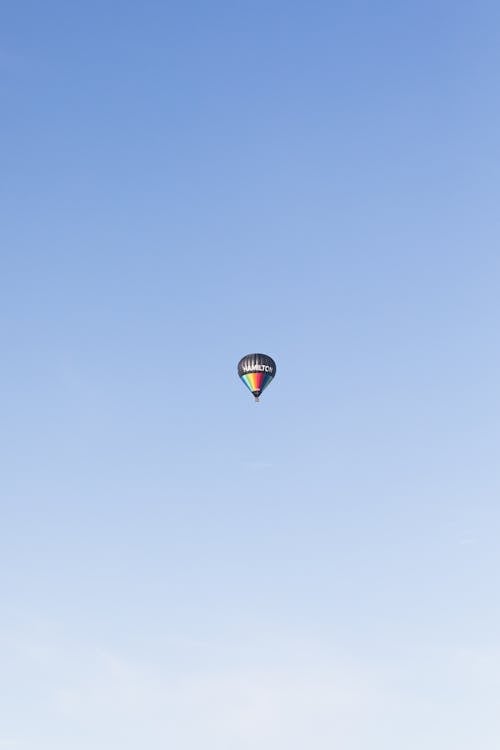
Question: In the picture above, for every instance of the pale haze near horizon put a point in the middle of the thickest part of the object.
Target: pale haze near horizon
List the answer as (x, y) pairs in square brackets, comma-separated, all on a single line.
[(186, 183)]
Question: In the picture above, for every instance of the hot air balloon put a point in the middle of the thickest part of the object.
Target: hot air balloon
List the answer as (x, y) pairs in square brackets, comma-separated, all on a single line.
[(256, 371)]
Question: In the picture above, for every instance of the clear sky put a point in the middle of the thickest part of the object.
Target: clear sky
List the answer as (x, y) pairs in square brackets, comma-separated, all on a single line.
[(184, 183)]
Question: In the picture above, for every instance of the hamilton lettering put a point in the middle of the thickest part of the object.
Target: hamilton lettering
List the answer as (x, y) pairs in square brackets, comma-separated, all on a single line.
[(256, 368)]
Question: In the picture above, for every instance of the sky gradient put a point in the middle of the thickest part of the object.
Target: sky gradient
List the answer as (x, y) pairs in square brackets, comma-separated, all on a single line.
[(184, 183)]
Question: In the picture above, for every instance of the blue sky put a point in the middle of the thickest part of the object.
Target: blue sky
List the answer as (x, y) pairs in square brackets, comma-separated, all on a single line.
[(186, 183)]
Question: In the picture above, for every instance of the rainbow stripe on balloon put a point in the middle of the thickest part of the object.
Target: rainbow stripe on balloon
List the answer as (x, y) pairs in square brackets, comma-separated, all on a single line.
[(256, 381)]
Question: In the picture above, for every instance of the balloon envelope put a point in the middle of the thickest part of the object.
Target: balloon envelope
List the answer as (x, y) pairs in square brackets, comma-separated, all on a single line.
[(256, 371)]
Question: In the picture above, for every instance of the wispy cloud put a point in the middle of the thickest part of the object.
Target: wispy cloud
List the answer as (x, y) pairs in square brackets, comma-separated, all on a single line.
[(277, 692), (253, 701)]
